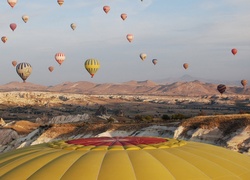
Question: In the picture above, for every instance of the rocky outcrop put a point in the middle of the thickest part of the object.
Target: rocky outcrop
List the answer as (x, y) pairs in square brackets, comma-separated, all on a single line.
[(68, 127)]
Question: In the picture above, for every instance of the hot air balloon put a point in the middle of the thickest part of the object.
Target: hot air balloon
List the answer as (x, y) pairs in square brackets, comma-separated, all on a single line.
[(106, 9), (25, 18), (51, 68), (185, 65), (123, 16), (13, 26), (143, 56), (60, 2), (4, 39), (14, 63), (244, 82), (92, 65), (24, 70), (221, 88), (154, 61), (60, 57), (73, 26), (130, 37), (116, 158), (234, 51), (12, 3)]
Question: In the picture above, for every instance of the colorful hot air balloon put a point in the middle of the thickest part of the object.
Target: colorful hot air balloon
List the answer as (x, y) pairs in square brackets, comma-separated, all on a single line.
[(12, 3), (234, 51), (51, 68), (24, 70), (60, 57), (4, 39), (154, 61), (124, 16), (13, 26), (143, 56), (244, 82), (14, 63), (130, 37), (60, 2), (92, 65), (185, 65), (73, 26), (25, 18), (106, 9), (221, 88)]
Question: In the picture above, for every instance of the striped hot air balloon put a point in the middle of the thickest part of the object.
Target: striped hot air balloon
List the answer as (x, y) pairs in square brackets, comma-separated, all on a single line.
[(59, 57), (92, 66), (24, 70), (221, 88)]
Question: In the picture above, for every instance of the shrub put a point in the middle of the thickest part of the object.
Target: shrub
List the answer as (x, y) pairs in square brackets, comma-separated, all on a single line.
[(178, 116), (165, 117)]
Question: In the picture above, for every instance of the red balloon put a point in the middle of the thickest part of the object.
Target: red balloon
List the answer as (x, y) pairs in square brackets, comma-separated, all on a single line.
[(234, 51), (14, 63), (106, 9), (13, 26)]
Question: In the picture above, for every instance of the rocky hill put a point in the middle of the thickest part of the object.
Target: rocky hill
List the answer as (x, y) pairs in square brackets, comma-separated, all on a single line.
[(229, 131), (192, 88)]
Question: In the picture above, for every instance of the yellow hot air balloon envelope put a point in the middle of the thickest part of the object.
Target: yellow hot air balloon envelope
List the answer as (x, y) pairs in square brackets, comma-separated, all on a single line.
[(124, 158), (92, 66)]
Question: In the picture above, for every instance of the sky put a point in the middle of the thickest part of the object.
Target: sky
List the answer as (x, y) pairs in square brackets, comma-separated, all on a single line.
[(198, 32)]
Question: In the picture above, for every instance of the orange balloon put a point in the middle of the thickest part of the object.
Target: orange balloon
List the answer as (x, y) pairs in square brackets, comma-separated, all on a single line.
[(123, 16), (130, 37), (60, 57), (106, 9), (234, 51), (14, 63), (244, 82), (51, 68), (60, 2), (185, 65), (4, 39)]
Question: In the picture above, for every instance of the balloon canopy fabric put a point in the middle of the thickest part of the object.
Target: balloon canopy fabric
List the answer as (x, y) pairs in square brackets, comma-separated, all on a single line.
[(243, 82), (60, 2), (154, 61), (143, 56), (12, 3), (25, 18), (130, 37), (92, 66), (24, 70), (185, 65), (13, 26), (234, 51), (221, 88), (73, 26), (124, 16), (124, 158), (106, 9), (60, 58), (4, 39)]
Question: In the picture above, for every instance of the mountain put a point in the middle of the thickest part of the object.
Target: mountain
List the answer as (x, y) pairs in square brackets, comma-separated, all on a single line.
[(188, 78), (180, 88)]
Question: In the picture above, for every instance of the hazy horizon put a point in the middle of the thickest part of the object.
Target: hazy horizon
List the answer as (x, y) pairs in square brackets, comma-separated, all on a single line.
[(199, 33)]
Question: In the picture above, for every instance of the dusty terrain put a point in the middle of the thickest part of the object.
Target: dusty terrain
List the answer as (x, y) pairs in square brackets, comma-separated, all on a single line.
[(32, 116)]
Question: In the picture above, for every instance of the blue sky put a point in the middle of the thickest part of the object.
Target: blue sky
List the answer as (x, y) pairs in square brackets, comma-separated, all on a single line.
[(198, 32)]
